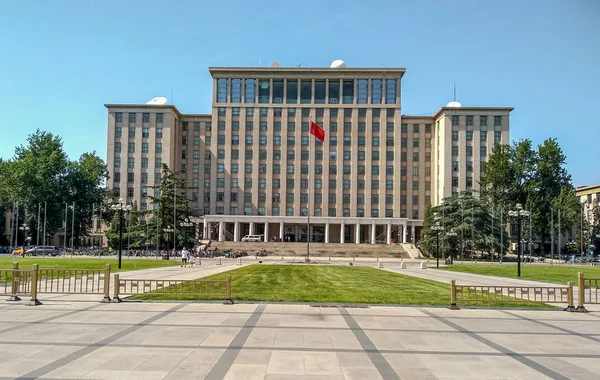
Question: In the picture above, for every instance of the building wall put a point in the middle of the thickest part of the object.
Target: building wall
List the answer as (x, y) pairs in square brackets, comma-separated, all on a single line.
[(419, 148)]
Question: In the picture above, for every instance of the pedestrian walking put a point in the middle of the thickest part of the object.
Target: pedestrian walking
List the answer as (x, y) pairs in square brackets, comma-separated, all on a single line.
[(185, 255)]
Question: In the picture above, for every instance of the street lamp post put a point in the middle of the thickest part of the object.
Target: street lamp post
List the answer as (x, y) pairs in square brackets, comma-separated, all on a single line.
[(437, 228), (583, 204), (169, 230), (518, 214), (26, 230), (451, 234), (121, 208), (184, 225)]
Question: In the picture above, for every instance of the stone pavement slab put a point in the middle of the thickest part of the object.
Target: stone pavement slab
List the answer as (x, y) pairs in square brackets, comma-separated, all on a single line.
[(133, 340)]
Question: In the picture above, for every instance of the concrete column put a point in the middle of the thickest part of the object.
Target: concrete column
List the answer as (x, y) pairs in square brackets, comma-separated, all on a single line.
[(205, 230), (266, 232), (373, 232), (327, 232), (342, 236), (389, 233), (357, 233), (412, 234), (221, 237), (281, 231), (236, 231), (404, 233), (251, 228)]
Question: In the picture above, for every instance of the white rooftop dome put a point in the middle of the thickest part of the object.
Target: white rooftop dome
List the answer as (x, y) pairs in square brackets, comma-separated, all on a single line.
[(274, 64), (158, 101), (454, 104), (338, 64)]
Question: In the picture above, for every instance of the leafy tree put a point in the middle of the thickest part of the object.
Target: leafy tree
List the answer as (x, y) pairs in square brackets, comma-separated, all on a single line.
[(537, 179), (468, 223), (41, 173)]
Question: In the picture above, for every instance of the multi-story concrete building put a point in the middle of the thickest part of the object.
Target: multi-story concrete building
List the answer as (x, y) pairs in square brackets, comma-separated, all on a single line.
[(248, 166), (589, 196)]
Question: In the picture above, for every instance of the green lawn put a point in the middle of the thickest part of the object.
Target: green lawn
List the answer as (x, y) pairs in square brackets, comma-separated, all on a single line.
[(77, 263), (556, 274), (332, 284)]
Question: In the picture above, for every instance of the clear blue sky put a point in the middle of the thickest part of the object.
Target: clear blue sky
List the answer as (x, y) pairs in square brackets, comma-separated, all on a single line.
[(61, 61)]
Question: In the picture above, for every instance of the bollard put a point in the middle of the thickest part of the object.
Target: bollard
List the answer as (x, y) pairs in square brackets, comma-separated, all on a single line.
[(379, 264), (240, 261), (453, 295), (377, 258), (116, 286), (34, 287), (353, 258), (199, 261), (228, 300), (580, 294), (219, 261), (14, 290), (402, 265), (423, 264), (570, 307), (106, 298)]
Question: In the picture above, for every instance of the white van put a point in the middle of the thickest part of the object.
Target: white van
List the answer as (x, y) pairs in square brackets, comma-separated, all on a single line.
[(253, 238)]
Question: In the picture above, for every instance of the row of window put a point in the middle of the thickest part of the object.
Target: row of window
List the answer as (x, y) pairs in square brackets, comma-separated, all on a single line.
[(158, 133), (468, 182), (483, 120), (469, 151), (468, 166), (133, 117), (306, 112), (290, 91), (482, 136)]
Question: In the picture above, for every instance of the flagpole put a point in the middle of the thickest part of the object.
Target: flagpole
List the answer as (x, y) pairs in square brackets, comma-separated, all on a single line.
[(309, 194)]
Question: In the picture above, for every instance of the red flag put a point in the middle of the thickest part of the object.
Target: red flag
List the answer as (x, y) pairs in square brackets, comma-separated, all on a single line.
[(317, 131)]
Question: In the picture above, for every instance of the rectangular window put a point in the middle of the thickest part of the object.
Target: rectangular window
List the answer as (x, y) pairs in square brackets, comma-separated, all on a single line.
[(319, 92), (483, 151), (455, 120), (145, 132), (222, 90), (264, 88), (132, 117), (483, 136), (362, 91), (497, 121), (334, 92), (292, 92), (305, 92), (159, 118), (250, 91), (415, 142), (469, 120), (236, 90), (497, 136), (130, 162), (131, 132), (469, 150), (469, 135), (145, 147), (454, 135), (454, 150), (469, 166), (376, 91), (118, 117), (118, 132), (390, 91), (348, 91), (131, 148), (483, 121)]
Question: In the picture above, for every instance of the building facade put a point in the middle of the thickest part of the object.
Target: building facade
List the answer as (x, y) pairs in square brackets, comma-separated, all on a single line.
[(252, 166)]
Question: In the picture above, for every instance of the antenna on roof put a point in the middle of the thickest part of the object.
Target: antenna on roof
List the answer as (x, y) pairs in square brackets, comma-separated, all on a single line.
[(454, 90)]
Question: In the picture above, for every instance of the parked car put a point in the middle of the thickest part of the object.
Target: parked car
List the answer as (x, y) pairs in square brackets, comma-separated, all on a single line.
[(18, 251), (43, 250), (257, 238)]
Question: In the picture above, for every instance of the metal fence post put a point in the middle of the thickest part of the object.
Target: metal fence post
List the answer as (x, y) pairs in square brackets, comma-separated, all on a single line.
[(34, 287), (106, 298), (580, 293), (453, 295), (228, 300), (570, 307), (116, 298), (14, 287)]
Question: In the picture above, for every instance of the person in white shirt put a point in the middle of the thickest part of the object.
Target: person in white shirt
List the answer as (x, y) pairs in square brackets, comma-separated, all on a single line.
[(185, 255)]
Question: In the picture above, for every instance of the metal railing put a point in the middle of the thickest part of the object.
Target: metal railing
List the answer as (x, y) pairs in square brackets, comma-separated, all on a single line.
[(16, 282), (73, 281), (511, 294), (205, 288), (588, 292)]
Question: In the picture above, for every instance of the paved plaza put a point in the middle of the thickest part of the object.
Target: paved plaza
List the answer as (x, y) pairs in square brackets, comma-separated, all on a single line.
[(86, 340), (75, 337)]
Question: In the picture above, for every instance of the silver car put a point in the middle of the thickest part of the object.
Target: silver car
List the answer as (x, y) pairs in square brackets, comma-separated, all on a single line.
[(43, 250)]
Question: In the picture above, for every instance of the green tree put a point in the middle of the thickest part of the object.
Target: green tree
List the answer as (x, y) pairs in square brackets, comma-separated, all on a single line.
[(171, 206), (468, 226)]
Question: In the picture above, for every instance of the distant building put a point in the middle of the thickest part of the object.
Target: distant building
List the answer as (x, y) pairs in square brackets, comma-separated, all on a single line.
[(247, 162)]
